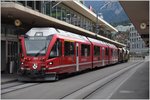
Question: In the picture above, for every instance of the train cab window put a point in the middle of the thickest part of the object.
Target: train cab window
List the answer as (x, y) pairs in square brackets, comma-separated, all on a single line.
[(96, 51), (69, 48), (56, 50), (85, 50)]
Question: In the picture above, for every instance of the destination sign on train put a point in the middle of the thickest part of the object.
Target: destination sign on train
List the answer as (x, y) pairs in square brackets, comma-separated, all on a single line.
[(37, 37)]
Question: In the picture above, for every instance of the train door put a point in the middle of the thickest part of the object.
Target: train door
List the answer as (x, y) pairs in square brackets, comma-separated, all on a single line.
[(69, 58), (103, 56), (77, 57)]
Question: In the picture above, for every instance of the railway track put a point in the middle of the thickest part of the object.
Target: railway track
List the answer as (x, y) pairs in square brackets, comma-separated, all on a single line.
[(13, 86), (86, 91)]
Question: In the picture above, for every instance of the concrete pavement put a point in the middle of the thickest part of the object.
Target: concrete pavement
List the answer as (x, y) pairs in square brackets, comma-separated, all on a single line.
[(136, 87), (6, 78)]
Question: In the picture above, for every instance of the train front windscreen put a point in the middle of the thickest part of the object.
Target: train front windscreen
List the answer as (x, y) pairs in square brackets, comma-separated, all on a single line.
[(36, 46)]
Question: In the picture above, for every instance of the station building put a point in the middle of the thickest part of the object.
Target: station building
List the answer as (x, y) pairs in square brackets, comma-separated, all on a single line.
[(17, 17)]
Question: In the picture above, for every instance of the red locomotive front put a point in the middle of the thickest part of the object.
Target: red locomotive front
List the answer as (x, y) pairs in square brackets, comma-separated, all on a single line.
[(35, 46)]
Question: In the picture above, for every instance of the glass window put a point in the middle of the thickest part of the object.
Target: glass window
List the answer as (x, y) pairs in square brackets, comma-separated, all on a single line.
[(96, 51), (30, 4), (85, 50), (10, 30), (56, 50), (68, 16), (69, 48), (64, 14), (58, 12), (81, 22), (106, 51), (111, 50), (3, 29), (84, 24), (53, 12), (38, 5), (48, 6), (37, 46), (73, 18)]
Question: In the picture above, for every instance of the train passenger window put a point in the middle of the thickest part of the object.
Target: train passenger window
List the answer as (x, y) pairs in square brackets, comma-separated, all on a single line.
[(85, 50), (56, 50), (112, 54), (106, 51), (69, 48), (96, 51)]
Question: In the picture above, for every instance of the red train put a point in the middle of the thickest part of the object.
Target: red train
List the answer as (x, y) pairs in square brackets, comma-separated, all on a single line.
[(49, 52)]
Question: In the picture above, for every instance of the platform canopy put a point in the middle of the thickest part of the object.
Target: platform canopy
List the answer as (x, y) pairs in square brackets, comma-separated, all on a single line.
[(35, 18)]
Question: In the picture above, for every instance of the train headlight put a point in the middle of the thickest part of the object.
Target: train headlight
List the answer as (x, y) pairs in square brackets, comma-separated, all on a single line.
[(51, 63), (34, 66), (22, 68)]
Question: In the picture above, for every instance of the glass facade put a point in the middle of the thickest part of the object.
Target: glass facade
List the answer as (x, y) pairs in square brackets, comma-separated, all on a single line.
[(62, 12)]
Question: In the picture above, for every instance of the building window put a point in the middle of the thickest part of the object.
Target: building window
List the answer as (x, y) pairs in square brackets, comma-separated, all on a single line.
[(58, 13), (54, 9), (38, 7), (72, 18), (75, 20), (69, 48), (48, 9), (30, 4), (53, 14), (68, 17), (63, 14), (78, 20), (3, 29), (81, 22), (85, 50), (10, 30), (96, 51)]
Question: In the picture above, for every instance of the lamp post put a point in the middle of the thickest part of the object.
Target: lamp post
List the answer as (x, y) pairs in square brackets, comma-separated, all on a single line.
[(98, 13)]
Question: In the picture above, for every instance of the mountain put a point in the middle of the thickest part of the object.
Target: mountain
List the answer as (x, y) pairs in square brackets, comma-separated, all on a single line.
[(112, 11)]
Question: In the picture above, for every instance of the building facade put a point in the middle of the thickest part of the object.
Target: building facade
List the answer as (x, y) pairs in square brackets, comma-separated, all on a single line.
[(136, 43), (59, 14)]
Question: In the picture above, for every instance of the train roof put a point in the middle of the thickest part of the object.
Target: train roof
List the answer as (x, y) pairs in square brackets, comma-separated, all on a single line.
[(51, 31), (101, 42)]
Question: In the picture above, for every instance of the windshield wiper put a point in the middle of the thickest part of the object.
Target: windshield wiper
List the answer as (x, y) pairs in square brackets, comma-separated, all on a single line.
[(40, 51)]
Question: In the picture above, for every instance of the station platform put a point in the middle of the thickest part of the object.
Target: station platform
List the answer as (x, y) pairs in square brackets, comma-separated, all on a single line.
[(6, 78), (136, 87)]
